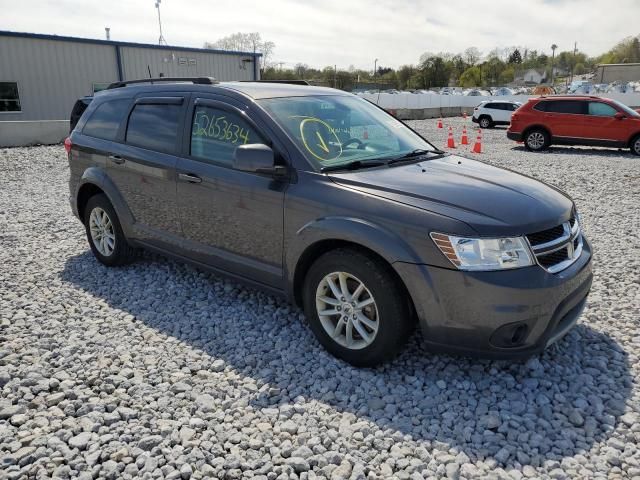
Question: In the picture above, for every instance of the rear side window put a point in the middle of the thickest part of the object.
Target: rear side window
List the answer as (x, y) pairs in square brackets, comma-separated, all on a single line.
[(154, 126), (491, 105), (601, 109), (561, 106), (216, 133), (105, 119)]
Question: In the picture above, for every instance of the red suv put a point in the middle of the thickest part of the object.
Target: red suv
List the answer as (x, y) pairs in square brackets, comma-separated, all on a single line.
[(575, 120)]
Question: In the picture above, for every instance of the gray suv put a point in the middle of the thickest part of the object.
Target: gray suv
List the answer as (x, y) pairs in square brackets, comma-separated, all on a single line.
[(322, 197)]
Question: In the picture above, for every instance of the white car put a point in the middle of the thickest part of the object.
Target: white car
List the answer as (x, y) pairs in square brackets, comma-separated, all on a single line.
[(492, 112)]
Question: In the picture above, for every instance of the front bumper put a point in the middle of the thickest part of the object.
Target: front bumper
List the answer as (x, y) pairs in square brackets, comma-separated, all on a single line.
[(514, 136), (474, 119), (502, 314)]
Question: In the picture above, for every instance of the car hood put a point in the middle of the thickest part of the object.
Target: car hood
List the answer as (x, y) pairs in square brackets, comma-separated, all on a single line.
[(491, 200)]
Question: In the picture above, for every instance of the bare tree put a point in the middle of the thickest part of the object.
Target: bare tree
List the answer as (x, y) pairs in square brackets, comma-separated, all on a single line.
[(245, 42), (472, 55)]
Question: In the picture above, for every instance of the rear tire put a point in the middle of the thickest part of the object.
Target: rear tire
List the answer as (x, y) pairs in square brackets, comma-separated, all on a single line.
[(635, 145), (104, 233), (358, 293), (536, 140), (485, 122)]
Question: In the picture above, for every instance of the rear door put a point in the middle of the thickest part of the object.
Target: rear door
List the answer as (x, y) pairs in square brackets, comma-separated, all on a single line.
[(143, 168), (231, 219), (601, 124), (564, 118), (503, 112)]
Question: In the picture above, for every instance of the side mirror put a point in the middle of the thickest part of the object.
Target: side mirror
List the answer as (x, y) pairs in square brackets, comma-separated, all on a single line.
[(256, 158), (620, 116)]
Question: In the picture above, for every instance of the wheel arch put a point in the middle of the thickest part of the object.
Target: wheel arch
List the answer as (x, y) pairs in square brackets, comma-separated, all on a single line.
[(319, 248), (526, 131), (632, 138)]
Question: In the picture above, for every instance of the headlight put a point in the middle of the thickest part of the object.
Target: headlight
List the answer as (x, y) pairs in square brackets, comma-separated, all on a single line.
[(484, 253)]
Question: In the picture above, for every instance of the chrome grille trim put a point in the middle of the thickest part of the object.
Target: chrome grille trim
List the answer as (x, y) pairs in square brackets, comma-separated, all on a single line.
[(570, 234)]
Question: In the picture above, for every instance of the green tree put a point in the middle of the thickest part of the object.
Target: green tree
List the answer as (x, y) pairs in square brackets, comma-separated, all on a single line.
[(515, 57), (471, 77)]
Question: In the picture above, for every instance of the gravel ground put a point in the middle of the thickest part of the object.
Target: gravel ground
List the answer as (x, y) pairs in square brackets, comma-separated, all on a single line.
[(157, 370)]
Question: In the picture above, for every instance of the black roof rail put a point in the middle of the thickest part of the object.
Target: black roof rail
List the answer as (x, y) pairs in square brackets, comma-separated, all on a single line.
[(290, 82), (195, 80)]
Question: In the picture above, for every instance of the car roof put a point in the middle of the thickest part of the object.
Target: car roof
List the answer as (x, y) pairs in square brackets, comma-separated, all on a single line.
[(570, 97), (254, 90)]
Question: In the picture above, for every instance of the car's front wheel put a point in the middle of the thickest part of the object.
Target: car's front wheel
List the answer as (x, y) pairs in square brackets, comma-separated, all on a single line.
[(536, 140), (104, 233), (356, 308), (635, 145)]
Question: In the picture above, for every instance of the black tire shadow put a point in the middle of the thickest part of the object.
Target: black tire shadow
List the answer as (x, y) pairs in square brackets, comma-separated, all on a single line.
[(507, 411), (581, 151)]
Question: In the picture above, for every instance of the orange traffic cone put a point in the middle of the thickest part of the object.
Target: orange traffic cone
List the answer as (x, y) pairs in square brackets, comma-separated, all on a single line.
[(365, 134), (450, 142), (440, 123), (464, 140), (477, 147)]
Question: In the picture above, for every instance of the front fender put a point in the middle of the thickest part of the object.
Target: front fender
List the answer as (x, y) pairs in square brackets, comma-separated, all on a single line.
[(376, 238)]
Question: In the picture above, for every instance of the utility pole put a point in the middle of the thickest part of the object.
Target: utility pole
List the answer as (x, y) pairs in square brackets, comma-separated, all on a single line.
[(107, 31), (161, 40), (335, 76), (573, 64), (553, 56)]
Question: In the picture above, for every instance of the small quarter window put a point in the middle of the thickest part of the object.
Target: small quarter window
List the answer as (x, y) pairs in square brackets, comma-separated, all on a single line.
[(154, 126), (216, 133), (106, 118), (9, 97)]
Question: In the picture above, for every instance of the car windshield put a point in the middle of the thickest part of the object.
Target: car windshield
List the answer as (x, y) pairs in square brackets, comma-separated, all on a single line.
[(343, 130), (626, 109)]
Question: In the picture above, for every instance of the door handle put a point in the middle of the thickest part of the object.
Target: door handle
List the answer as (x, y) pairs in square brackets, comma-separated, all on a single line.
[(188, 177), (117, 159)]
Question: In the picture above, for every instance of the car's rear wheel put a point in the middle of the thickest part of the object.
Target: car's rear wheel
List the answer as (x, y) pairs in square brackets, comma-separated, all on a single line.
[(104, 233), (536, 140), (485, 122), (356, 308), (635, 145)]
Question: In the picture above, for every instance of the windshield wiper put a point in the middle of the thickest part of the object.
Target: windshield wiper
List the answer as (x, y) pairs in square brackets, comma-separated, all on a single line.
[(418, 152), (353, 165)]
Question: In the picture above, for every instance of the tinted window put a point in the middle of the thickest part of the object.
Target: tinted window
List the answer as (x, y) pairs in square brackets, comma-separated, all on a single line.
[(216, 133), (9, 98), (492, 105), (105, 120), (601, 109), (154, 127), (563, 106)]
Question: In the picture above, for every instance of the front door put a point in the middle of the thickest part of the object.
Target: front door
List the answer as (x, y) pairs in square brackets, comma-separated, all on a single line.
[(231, 219), (601, 124)]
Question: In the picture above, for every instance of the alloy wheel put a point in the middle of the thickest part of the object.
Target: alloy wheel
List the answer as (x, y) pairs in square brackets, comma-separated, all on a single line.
[(102, 231), (535, 140), (636, 146), (347, 310), (484, 123)]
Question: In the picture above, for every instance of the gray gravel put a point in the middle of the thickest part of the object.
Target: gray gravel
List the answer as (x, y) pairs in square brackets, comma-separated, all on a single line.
[(158, 370)]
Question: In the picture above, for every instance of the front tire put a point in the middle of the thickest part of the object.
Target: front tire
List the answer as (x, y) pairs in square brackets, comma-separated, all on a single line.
[(536, 140), (356, 307), (635, 145), (104, 233)]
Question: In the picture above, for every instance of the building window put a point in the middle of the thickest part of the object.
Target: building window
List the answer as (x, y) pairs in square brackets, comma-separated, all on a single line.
[(9, 98)]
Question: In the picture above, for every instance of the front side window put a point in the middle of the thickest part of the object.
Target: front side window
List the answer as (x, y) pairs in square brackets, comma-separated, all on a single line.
[(105, 120), (601, 109), (337, 130), (216, 133), (9, 97), (154, 126)]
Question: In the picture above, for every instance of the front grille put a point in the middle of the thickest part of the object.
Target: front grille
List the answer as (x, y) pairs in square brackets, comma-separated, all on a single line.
[(558, 247), (553, 258), (546, 235)]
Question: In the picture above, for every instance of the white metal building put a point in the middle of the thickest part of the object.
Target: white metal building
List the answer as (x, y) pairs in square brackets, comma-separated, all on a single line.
[(41, 76)]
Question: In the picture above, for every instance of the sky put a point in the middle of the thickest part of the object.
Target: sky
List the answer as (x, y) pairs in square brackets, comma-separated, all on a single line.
[(341, 32)]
